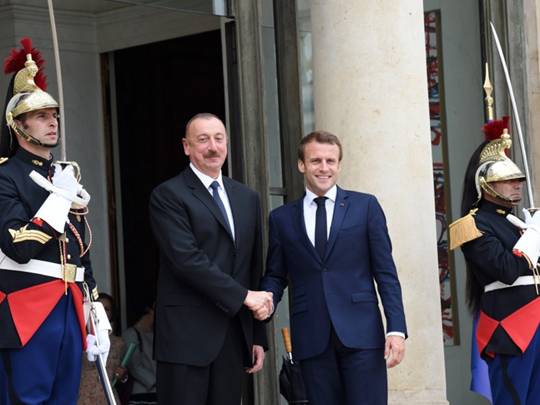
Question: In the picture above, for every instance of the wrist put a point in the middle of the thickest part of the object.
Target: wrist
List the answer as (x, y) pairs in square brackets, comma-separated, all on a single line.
[(246, 298)]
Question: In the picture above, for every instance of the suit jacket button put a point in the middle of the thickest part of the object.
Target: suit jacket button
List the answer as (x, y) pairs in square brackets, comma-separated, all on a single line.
[(324, 271), (233, 252)]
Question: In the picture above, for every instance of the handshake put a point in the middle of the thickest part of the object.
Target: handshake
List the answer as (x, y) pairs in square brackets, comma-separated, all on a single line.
[(261, 303)]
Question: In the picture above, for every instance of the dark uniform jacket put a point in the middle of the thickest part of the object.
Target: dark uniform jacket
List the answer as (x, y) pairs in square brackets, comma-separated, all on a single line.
[(26, 299), (490, 258)]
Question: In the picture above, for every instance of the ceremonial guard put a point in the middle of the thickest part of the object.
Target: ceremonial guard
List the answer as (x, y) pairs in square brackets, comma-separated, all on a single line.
[(45, 270), (501, 252)]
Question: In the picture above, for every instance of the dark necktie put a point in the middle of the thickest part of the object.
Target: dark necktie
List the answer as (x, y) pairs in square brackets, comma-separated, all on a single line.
[(321, 230), (214, 186)]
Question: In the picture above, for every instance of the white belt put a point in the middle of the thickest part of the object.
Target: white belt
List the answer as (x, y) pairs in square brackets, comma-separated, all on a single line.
[(71, 274), (523, 280)]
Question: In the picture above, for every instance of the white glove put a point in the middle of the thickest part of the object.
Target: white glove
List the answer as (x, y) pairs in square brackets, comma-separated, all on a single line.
[(64, 190), (62, 185), (531, 221), (102, 325), (93, 350), (529, 243), (66, 183)]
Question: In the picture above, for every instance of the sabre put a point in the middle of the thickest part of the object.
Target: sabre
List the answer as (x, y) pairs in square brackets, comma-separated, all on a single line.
[(59, 81), (514, 108), (102, 371)]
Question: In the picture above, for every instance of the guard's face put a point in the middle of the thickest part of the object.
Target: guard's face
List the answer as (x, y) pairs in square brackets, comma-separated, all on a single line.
[(42, 125), (321, 167), (510, 189), (206, 145)]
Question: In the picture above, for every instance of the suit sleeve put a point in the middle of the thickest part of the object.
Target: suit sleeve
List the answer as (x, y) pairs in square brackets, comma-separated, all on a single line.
[(172, 230), (259, 328), (276, 276), (384, 269)]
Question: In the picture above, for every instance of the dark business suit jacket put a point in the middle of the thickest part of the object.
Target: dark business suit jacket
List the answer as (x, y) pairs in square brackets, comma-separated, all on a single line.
[(340, 289), (204, 274)]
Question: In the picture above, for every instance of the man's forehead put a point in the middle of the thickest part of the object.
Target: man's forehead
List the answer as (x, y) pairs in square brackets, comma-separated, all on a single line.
[(315, 147), (208, 126)]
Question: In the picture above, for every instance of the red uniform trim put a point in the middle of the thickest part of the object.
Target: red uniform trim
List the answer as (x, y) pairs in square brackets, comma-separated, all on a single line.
[(485, 329), (520, 326), (31, 306), (2, 296), (39, 222), (78, 301)]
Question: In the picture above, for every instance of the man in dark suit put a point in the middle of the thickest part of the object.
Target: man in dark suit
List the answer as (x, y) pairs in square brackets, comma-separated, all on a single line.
[(333, 244), (208, 230)]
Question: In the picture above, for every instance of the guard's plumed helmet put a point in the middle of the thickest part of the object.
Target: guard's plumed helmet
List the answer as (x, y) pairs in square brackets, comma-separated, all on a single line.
[(26, 93), (494, 164)]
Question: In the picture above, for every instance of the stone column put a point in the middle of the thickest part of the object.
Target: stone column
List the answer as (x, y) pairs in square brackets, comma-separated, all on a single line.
[(370, 89)]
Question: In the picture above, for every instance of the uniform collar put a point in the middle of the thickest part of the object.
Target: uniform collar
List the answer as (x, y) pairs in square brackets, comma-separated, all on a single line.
[(37, 162), (495, 208)]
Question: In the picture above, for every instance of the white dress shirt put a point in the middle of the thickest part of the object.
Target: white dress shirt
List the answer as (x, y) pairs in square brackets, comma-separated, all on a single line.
[(207, 180), (310, 211)]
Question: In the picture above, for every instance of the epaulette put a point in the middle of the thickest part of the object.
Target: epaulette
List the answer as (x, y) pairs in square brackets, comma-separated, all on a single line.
[(3, 160), (463, 230)]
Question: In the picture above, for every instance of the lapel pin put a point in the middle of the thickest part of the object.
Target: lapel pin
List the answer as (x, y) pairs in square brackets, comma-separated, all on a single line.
[(341, 205)]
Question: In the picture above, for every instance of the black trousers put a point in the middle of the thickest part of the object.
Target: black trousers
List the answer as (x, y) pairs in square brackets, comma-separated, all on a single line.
[(219, 383)]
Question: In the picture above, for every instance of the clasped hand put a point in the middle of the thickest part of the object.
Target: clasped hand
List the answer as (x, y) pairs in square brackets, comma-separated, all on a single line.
[(531, 221), (261, 303)]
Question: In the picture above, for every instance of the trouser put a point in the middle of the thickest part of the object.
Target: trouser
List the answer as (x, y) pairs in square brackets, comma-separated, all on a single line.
[(516, 379), (47, 370), (341, 375), (219, 383)]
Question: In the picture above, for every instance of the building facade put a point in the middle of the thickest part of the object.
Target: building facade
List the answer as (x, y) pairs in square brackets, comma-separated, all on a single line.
[(399, 82)]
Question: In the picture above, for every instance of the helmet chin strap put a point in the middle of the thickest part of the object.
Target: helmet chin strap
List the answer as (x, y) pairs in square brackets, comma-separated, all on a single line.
[(46, 145), (510, 201), (27, 137), (495, 194)]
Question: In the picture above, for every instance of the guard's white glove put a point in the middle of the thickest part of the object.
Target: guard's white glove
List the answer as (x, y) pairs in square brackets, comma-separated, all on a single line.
[(102, 325), (66, 183), (529, 243), (93, 349), (64, 190)]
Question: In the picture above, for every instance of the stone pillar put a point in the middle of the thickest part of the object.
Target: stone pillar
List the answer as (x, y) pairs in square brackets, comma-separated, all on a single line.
[(370, 89)]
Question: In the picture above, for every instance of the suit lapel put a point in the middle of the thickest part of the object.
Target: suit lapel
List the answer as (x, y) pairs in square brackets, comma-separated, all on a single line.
[(297, 214), (235, 201), (340, 210), (201, 193)]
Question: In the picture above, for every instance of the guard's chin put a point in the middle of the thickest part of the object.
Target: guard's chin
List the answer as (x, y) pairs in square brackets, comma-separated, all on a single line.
[(51, 144)]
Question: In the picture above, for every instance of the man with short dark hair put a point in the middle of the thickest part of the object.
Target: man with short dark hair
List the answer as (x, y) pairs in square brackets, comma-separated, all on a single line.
[(333, 245), (208, 230)]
